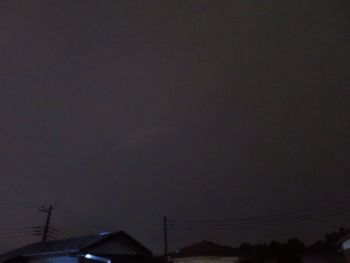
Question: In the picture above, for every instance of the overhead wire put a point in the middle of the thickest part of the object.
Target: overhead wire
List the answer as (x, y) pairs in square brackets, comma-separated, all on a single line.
[(27, 230), (155, 236), (342, 205), (335, 209)]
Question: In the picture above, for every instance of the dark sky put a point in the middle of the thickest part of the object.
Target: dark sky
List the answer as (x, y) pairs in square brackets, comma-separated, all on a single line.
[(125, 111)]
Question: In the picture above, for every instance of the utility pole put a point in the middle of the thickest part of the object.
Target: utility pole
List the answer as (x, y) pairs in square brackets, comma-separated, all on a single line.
[(48, 211), (165, 225)]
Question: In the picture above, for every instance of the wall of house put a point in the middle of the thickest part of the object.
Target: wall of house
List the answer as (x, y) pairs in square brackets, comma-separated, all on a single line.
[(346, 250), (316, 260), (347, 255), (62, 259), (323, 259), (207, 260), (115, 247)]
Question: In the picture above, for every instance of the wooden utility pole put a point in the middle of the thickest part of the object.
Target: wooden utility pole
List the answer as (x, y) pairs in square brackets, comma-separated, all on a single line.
[(165, 226), (48, 211)]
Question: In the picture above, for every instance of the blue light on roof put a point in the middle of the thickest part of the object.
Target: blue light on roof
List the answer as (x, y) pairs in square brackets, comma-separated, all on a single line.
[(104, 233), (101, 259)]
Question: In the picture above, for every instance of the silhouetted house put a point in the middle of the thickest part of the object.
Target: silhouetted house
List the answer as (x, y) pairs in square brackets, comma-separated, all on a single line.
[(346, 249), (321, 258), (322, 252), (107, 247), (205, 252)]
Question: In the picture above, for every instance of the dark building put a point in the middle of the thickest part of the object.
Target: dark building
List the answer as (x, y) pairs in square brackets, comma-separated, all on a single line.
[(105, 247)]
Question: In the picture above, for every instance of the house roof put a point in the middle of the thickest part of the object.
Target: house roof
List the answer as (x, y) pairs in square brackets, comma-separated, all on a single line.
[(70, 246), (203, 249)]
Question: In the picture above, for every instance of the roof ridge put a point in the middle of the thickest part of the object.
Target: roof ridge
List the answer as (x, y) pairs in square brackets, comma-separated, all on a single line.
[(66, 245)]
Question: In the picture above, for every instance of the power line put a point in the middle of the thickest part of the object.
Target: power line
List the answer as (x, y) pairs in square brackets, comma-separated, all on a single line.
[(55, 232), (72, 215), (35, 229), (272, 220), (19, 205), (47, 225), (19, 236), (21, 232), (277, 220), (156, 235), (20, 228), (343, 205), (31, 231)]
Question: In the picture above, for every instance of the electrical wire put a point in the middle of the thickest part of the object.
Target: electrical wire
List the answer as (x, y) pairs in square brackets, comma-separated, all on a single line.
[(339, 208), (156, 235)]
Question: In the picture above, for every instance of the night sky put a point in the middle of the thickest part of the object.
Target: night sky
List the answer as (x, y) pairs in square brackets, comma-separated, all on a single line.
[(125, 111)]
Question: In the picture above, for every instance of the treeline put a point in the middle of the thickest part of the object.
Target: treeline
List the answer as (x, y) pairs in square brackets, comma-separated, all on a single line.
[(291, 250)]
